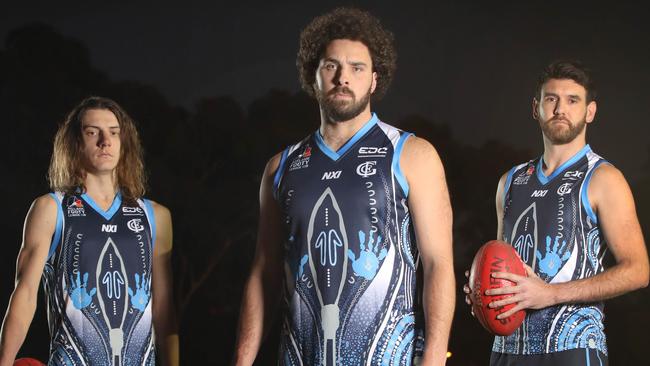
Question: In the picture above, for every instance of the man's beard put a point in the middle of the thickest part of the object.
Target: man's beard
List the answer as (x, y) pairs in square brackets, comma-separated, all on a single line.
[(342, 110), (559, 135)]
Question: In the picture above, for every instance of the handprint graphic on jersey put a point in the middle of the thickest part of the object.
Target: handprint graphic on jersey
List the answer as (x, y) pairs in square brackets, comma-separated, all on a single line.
[(368, 262)]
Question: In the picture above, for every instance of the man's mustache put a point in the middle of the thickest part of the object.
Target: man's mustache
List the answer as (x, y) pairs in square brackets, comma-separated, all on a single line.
[(341, 90)]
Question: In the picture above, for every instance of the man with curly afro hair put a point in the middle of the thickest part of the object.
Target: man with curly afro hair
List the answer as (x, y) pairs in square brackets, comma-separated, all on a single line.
[(347, 216)]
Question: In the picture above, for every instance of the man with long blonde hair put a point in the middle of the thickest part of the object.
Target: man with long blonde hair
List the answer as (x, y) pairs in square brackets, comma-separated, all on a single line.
[(102, 249)]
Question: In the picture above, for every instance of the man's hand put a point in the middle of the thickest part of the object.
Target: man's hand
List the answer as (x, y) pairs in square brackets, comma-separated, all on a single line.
[(468, 291), (528, 292)]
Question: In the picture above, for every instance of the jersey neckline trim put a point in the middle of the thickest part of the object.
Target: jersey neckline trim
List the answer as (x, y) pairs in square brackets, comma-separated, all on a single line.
[(117, 201), (545, 179), (336, 155)]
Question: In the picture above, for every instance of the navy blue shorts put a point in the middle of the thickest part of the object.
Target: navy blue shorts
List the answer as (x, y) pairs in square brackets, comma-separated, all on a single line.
[(573, 357)]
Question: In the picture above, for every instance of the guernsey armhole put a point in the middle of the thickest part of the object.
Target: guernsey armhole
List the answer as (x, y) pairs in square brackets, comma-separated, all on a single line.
[(148, 207), (506, 187), (279, 172), (399, 175), (584, 193), (56, 238)]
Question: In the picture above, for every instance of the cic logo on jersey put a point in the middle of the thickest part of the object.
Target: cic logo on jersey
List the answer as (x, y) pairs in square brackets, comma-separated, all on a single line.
[(135, 226), (367, 169)]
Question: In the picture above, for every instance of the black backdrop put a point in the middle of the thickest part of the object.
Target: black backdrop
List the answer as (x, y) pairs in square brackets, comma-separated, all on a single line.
[(215, 94)]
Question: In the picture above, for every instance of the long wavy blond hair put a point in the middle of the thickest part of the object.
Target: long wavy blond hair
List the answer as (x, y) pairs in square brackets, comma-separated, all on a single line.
[(67, 173)]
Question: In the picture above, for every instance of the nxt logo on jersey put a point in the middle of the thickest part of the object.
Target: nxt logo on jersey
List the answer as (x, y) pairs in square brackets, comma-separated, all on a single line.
[(109, 228), (539, 193), (331, 175)]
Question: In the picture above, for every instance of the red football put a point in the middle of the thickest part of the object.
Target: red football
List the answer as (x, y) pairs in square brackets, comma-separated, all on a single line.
[(494, 256), (27, 361)]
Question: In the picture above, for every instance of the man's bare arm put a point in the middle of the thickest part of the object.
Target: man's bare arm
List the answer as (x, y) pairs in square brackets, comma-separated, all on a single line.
[(261, 294), (432, 218), (39, 227), (164, 313), (611, 197)]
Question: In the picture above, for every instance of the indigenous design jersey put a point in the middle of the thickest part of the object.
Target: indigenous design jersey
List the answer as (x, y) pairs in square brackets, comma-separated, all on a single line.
[(550, 223), (97, 280), (350, 254)]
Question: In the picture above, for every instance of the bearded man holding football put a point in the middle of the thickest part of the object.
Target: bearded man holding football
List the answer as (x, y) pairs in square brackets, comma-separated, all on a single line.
[(563, 212)]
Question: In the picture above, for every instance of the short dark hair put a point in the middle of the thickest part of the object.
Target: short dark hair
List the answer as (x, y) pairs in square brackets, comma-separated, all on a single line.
[(568, 69), (352, 24)]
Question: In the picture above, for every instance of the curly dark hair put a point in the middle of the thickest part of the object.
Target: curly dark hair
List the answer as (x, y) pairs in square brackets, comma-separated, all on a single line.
[(568, 69), (346, 23)]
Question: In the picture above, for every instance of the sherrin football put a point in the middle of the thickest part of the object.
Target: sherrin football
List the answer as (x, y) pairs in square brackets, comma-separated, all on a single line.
[(27, 361), (494, 256)]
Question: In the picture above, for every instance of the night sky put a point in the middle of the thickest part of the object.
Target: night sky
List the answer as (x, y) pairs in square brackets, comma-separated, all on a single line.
[(471, 66)]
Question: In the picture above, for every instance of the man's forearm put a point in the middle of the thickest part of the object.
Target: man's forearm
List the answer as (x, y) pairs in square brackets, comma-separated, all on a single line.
[(169, 348), (617, 280), (251, 322), (20, 312), (439, 302), (167, 335)]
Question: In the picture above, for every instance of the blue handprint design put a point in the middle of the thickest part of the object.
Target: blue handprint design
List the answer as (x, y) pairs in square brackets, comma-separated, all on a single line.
[(552, 261), (368, 262), (142, 292), (78, 292)]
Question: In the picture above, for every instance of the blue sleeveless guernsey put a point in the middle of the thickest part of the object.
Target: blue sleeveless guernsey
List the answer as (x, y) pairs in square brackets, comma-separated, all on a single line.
[(97, 280), (553, 228), (350, 253)]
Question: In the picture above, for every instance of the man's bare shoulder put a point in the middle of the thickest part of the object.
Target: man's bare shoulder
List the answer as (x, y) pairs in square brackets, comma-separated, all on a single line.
[(608, 185), (160, 210), (272, 165), (607, 180), (44, 205), (607, 174), (417, 153), (418, 145)]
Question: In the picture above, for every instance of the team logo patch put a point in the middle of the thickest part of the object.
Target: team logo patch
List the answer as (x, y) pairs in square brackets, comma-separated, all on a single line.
[(135, 225), (367, 169), (531, 170), (75, 207), (564, 189), (302, 160), (523, 178)]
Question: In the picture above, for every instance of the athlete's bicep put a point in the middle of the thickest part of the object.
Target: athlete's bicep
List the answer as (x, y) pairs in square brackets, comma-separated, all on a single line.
[(161, 270), (40, 225), (612, 201), (269, 233), (428, 200), (163, 229)]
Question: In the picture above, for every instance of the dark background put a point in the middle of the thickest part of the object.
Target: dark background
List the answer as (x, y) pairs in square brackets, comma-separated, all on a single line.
[(214, 89)]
